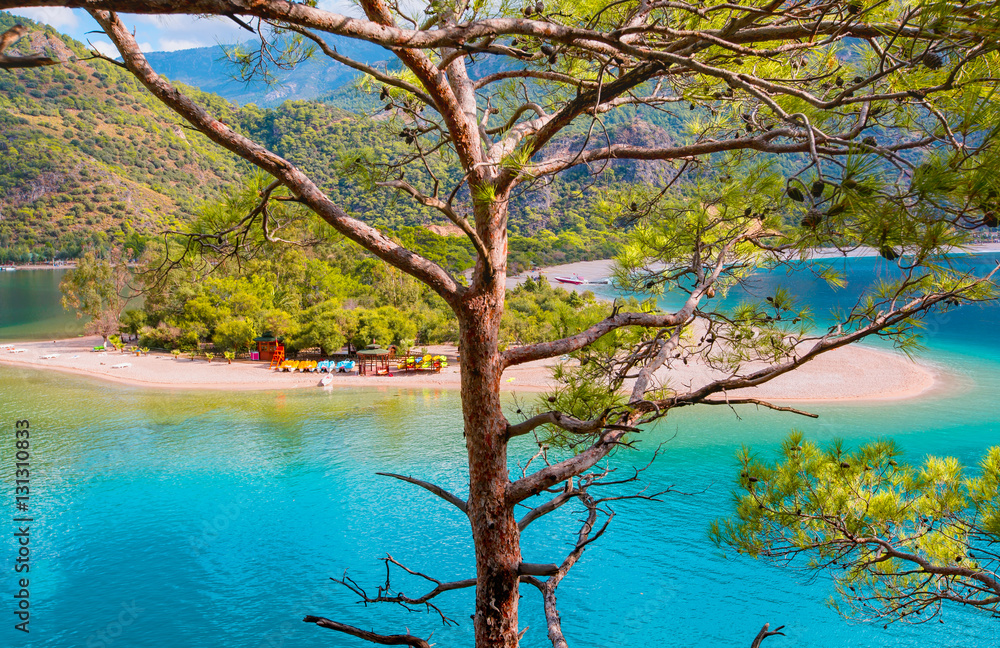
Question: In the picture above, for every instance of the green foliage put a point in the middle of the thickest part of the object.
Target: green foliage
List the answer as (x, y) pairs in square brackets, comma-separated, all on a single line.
[(536, 311), (327, 326), (133, 321), (98, 288), (90, 166), (898, 539), (383, 326), (236, 334)]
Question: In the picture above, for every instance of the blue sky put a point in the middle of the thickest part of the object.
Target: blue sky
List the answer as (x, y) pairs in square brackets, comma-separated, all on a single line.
[(154, 33)]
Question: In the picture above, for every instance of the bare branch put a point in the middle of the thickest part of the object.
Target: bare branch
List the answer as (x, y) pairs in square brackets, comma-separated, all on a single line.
[(761, 403), (766, 632), (559, 419), (384, 640), (437, 490), (532, 569), (374, 73)]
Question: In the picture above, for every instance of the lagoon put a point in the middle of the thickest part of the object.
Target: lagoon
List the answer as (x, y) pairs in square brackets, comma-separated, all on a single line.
[(30, 308), (218, 518)]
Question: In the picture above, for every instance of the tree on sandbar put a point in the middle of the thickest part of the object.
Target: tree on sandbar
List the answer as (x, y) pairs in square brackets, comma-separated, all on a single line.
[(98, 288)]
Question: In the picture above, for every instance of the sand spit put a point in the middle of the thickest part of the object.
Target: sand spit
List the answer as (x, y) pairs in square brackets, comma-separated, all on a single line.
[(851, 373)]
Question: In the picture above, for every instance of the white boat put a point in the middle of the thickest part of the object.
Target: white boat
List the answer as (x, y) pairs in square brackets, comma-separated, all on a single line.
[(576, 280), (7, 268), (326, 380)]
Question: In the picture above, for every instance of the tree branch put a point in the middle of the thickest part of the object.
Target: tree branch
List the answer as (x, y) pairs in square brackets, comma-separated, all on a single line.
[(545, 478), (542, 350), (374, 73), (437, 490), (761, 403), (384, 640), (764, 633), (564, 421), (293, 178)]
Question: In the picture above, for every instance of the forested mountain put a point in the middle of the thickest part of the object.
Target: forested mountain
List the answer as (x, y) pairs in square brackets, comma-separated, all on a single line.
[(88, 158)]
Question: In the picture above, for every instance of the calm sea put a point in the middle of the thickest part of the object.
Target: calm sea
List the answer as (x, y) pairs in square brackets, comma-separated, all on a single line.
[(171, 518)]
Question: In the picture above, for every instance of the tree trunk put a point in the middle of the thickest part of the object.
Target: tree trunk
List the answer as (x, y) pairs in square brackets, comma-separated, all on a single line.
[(494, 529)]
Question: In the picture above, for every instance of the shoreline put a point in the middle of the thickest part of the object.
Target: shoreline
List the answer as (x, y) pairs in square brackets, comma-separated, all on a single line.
[(600, 269), (851, 374)]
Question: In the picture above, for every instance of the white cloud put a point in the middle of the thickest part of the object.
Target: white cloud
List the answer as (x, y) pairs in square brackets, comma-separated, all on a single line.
[(58, 17), (106, 48), (174, 32), (145, 47), (170, 45)]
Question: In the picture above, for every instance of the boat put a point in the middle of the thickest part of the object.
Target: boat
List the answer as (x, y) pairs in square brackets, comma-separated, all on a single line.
[(326, 380), (7, 268), (576, 280)]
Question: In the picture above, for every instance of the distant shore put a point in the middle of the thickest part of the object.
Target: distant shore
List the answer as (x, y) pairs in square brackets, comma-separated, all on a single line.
[(40, 266), (596, 271), (847, 374)]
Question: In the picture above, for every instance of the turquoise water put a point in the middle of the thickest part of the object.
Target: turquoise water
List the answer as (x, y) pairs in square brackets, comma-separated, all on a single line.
[(217, 519)]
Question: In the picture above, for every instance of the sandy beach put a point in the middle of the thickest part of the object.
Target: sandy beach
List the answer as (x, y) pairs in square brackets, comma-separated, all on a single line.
[(853, 373), (856, 372)]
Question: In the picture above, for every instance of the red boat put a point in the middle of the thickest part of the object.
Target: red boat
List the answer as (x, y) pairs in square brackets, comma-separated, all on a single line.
[(576, 280)]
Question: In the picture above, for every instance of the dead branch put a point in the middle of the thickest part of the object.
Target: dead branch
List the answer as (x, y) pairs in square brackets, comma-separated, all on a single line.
[(437, 490), (760, 403), (764, 633), (384, 640)]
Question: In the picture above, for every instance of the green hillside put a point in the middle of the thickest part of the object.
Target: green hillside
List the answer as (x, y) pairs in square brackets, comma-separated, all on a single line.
[(89, 159)]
